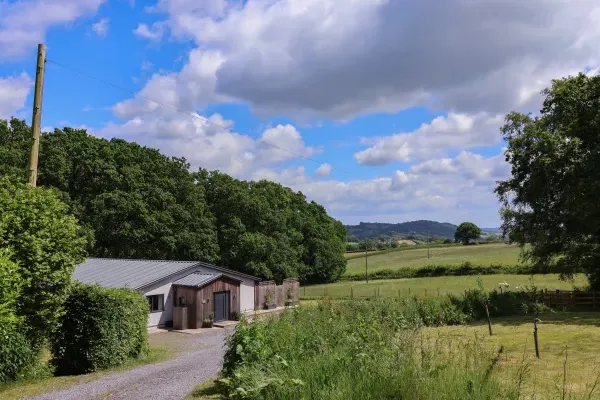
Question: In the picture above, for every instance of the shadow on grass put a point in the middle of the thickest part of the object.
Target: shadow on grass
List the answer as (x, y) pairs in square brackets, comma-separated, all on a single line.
[(207, 390)]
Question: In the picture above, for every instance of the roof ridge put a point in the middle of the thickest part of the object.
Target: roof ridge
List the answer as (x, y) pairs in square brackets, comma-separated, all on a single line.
[(141, 259)]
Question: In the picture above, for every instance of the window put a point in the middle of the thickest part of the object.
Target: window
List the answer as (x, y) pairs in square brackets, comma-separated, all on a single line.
[(156, 302)]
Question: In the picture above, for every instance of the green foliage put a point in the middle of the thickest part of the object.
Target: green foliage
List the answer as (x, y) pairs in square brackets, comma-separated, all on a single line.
[(551, 200), (15, 351), (466, 232), (354, 350), (134, 202), (465, 269), (46, 244), (101, 328), (267, 230)]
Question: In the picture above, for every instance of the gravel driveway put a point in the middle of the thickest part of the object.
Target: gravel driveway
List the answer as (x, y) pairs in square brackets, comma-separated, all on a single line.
[(200, 358)]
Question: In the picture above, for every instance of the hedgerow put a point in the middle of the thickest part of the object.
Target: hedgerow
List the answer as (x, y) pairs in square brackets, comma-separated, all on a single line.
[(101, 328), (463, 269)]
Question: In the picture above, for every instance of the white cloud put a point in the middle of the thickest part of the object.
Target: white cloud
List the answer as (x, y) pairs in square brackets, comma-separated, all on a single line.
[(211, 143), (101, 27), (13, 93), (23, 24), (337, 58), (455, 131), (154, 32), (324, 170), (453, 190)]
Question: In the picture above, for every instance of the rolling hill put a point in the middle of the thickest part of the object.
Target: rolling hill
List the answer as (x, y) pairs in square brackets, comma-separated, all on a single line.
[(421, 228)]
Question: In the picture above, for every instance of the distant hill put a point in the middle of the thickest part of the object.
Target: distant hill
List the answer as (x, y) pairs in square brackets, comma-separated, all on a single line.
[(421, 228)]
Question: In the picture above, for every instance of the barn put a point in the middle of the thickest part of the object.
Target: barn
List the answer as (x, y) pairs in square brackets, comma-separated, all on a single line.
[(176, 289)]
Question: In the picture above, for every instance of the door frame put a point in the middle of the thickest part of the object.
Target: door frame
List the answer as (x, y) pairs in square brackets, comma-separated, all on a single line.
[(227, 305)]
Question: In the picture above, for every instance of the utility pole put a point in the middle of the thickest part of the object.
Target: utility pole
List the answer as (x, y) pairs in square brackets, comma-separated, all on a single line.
[(367, 260), (37, 115), (428, 244)]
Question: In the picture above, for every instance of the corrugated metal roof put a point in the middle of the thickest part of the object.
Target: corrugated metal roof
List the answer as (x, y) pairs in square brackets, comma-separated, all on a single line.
[(197, 279), (114, 272), (136, 274)]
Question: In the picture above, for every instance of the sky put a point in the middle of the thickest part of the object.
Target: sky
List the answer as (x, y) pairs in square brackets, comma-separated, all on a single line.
[(381, 110)]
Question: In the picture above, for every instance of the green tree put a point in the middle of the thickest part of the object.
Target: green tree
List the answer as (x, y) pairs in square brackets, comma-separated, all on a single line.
[(467, 231), (551, 199), (46, 244)]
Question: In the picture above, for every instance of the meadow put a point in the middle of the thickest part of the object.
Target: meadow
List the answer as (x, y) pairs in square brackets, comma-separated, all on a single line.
[(485, 255), (429, 287), (409, 349)]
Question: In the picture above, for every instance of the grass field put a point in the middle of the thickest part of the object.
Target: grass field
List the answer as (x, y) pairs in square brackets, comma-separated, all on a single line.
[(576, 332), (445, 284), (454, 255)]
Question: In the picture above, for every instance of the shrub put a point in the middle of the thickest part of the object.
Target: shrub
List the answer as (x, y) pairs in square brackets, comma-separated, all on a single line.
[(15, 351), (46, 244), (101, 328)]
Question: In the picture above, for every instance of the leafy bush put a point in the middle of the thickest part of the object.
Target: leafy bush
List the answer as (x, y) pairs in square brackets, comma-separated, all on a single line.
[(46, 244), (101, 328), (15, 350)]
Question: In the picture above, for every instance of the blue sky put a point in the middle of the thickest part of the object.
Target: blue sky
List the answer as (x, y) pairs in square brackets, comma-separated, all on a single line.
[(396, 104)]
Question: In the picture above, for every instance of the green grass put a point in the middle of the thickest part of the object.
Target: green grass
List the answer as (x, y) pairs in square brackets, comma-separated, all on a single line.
[(577, 332), (445, 284), (28, 388), (487, 254), (206, 391)]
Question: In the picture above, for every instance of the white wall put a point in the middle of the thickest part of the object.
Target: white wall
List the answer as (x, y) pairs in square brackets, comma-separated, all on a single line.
[(160, 318)]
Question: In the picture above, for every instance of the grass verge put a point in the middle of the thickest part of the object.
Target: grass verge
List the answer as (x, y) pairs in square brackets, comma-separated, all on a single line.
[(206, 391), (27, 388)]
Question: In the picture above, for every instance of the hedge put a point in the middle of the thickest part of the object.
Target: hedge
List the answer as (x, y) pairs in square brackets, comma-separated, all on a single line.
[(464, 269), (101, 328), (15, 350)]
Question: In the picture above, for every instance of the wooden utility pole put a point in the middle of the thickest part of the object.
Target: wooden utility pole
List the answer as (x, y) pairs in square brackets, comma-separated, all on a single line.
[(367, 260), (36, 120)]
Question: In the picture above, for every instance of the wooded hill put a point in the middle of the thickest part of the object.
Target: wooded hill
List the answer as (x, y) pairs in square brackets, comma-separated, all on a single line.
[(134, 202), (421, 228)]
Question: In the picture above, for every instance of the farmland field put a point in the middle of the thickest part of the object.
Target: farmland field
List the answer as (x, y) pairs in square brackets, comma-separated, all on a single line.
[(430, 286), (575, 331), (454, 255)]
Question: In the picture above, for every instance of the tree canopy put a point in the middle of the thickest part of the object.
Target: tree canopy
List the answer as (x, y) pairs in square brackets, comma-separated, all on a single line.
[(134, 202), (467, 231), (551, 199)]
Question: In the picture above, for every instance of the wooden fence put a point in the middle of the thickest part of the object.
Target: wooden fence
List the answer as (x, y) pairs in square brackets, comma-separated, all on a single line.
[(279, 294), (570, 298)]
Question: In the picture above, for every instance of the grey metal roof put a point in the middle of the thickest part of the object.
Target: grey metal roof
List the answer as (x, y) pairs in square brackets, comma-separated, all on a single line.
[(197, 279), (136, 274)]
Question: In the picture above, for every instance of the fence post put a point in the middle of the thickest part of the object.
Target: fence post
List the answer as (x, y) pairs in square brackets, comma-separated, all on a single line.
[(351, 292), (425, 293), (325, 292), (378, 293), (487, 314), (535, 334), (438, 292), (304, 291), (375, 294), (409, 292), (399, 295), (594, 298)]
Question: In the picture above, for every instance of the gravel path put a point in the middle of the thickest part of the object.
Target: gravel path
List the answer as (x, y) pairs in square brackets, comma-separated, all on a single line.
[(200, 359)]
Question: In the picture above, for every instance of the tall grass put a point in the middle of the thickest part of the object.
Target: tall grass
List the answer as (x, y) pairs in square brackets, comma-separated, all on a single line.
[(359, 350)]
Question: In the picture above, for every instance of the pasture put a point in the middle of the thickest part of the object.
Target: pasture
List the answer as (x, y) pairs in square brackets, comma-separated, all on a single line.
[(568, 344), (485, 254), (429, 286)]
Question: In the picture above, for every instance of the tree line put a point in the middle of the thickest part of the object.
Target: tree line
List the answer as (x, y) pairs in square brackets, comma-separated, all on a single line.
[(134, 202)]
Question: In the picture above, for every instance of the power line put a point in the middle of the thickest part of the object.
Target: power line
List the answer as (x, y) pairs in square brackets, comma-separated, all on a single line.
[(192, 114)]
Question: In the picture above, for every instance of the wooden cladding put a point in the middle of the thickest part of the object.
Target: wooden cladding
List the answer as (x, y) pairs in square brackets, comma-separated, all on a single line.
[(278, 293), (200, 302)]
